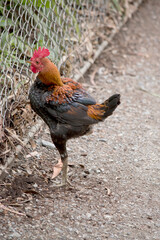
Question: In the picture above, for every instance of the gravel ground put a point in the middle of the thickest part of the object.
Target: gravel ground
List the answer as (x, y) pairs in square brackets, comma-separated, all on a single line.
[(115, 170)]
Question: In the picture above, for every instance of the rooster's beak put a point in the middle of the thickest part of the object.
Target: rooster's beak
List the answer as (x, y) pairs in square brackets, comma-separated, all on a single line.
[(28, 62)]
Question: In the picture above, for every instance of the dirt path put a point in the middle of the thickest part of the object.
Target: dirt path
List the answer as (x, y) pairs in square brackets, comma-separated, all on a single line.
[(116, 170)]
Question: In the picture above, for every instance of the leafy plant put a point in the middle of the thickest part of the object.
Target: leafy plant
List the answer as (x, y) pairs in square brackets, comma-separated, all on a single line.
[(28, 24)]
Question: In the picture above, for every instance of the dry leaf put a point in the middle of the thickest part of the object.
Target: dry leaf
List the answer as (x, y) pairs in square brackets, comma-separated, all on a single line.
[(1, 130), (108, 191), (11, 210), (14, 136), (33, 144), (111, 24), (14, 112), (57, 168), (28, 108), (32, 154), (32, 191), (81, 165), (5, 152), (89, 48), (92, 76), (29, 171)]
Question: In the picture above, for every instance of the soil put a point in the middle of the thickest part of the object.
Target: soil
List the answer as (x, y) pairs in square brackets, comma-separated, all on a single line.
[(115, 171)]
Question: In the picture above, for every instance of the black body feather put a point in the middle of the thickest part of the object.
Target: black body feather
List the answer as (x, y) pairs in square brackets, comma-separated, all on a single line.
[(69, 119)]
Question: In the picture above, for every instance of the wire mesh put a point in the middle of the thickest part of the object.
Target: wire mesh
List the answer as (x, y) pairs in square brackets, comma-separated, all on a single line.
[(24, 26), (68, 28)]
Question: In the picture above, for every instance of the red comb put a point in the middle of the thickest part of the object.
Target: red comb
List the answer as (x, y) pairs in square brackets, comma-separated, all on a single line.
[(40, 53)]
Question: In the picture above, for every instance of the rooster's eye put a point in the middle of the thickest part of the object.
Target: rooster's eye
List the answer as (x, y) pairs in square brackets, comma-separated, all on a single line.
[(37, 62)]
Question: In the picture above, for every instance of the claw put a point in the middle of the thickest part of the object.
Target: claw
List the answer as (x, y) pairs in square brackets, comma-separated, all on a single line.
[(64, 183)]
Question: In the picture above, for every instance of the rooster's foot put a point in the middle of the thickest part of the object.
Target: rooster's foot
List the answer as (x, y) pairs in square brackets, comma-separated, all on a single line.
[(61, 166), (64, 183)]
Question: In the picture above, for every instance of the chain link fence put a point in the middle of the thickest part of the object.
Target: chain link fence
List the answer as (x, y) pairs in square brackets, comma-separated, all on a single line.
[(71, 29)]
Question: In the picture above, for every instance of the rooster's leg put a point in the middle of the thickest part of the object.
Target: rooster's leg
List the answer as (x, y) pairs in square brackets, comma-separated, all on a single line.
[(65, 180), (62, 164), (64, 171)]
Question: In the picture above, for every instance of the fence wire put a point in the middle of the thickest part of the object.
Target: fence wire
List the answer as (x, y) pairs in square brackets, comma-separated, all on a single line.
[(68, 28), (24, 26)]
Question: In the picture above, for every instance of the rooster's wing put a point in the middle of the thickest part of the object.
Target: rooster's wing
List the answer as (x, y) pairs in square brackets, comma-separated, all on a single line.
[(73, 111)]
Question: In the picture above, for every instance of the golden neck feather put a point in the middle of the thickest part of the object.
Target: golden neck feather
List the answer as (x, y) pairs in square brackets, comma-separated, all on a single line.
[(50, 74)]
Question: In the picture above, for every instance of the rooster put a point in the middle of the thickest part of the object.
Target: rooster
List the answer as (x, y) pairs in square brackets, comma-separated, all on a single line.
[(64, 105)]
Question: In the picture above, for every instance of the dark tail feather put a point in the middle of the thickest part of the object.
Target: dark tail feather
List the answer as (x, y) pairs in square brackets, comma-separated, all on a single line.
[(99, 112), (111, 104)]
